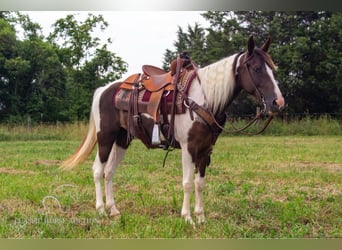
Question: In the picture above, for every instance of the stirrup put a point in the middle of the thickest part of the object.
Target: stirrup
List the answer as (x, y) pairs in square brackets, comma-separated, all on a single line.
[(155, 135)]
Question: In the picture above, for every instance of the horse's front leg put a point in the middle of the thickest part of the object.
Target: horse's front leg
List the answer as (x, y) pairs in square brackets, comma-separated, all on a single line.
[(188, 174), (199, 210)]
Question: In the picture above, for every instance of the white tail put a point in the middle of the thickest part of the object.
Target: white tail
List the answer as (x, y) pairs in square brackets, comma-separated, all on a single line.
[(84, 150)]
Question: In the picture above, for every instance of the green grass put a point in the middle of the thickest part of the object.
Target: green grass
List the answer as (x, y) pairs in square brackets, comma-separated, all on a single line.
[(323, 125), (43, 132), (256, 187), (307, 126)]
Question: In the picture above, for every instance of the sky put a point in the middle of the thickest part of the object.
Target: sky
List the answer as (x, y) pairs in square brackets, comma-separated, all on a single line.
[(138, 37)]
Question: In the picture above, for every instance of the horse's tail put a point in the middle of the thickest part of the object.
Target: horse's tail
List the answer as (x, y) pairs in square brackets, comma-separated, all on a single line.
[(85, 149)]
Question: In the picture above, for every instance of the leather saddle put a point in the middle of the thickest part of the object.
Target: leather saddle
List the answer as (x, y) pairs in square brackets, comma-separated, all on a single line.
[(157, 84)]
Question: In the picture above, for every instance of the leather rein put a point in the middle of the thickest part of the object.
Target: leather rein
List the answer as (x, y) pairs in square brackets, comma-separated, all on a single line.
[(207, 115)]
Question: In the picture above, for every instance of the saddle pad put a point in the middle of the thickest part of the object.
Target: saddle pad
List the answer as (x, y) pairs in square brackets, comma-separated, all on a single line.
[(122, 100)]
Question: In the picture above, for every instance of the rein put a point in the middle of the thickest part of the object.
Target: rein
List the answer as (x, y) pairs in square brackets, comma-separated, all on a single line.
[(210, 119), (242, 130)]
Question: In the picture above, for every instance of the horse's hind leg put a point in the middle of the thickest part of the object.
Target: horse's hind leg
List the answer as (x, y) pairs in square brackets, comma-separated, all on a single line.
[(105, 145), (114, 160), (98, 175)]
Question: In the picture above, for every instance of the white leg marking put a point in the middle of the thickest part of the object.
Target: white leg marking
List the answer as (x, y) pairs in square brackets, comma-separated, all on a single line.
[(188, 173), (98, 175), (114, 160), (199, 210)]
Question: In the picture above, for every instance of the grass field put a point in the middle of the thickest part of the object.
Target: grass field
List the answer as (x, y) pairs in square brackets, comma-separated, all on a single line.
[(257, 187)]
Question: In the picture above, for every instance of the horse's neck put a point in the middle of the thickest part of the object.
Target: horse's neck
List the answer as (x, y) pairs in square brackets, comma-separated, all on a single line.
[(218, 83)]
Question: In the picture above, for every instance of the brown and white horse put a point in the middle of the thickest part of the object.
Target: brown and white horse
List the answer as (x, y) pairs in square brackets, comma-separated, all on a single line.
[(214, 88)]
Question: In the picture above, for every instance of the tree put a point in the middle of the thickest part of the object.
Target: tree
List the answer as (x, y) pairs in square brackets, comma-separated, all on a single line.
[(192, 41), (89, 64), (225, 35), (44, 84), (306, 47), (52, 79), (32, 76), (7, 52), (75, 38)]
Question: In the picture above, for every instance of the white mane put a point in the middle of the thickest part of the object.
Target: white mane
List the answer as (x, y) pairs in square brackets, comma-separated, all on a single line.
[(218, 81)]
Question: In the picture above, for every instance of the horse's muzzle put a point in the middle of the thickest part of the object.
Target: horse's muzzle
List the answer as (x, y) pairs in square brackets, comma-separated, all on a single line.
[(277, 105)]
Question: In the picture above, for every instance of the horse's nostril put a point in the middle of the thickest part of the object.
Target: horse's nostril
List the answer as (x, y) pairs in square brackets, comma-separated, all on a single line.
[(275, 104)]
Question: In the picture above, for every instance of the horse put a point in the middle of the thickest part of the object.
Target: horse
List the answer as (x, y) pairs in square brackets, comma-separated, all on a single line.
[(213, 89)]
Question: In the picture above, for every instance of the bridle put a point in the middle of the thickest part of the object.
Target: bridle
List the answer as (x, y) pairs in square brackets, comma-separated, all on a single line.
[(255, 90), (258, 95)]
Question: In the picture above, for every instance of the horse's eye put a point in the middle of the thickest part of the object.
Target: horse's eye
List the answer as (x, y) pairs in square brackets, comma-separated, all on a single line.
[(257, 69)]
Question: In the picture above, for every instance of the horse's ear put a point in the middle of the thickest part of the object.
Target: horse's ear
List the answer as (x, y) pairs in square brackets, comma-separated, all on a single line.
[(250, 45), (267, 44)]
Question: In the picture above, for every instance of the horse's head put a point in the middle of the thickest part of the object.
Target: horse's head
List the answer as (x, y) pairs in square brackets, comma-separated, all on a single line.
[(254, 71)]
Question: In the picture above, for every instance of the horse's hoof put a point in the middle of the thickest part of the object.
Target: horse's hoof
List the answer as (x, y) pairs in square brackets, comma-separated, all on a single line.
[(189, 220), (200, 218), (102, 213), (114, 212)]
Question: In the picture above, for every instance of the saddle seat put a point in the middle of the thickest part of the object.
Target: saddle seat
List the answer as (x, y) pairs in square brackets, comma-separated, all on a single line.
[(153, 79), (151, 70)]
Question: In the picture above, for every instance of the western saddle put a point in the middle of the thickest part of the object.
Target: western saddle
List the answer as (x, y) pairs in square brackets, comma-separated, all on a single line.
[(159, 94)]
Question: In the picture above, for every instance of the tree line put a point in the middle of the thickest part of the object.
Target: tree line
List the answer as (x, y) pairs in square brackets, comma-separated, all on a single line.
[(307, 49), (49, 79), (52, 78)]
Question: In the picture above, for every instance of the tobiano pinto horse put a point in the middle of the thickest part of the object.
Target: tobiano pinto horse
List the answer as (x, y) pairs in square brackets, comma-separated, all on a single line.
[(195, 130)]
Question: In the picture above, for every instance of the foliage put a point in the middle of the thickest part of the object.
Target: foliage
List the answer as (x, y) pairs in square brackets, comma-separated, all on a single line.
[(306, 47), (52, 79)]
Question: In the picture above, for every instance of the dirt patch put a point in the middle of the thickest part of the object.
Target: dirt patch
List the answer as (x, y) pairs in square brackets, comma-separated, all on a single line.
[(330, 166), (47, 162), (12, 205), (4, 170)]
